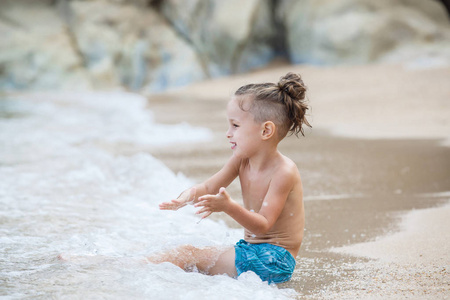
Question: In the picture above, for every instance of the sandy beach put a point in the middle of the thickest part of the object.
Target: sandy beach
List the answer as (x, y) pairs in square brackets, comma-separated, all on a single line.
[(375, 169)]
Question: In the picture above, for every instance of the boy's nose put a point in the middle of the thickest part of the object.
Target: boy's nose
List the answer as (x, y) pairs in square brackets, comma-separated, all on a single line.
[(228, 133)]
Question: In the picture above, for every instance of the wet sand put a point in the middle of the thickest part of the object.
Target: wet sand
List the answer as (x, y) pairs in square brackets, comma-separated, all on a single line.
[(375, 158)]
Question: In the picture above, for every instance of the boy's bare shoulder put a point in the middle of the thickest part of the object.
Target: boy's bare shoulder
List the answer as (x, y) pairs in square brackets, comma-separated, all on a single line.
[(288, 165), (234, 162), (287, 170)]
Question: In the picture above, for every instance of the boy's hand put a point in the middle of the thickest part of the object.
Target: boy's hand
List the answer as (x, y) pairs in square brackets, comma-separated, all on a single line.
[(183, 200), (213, 203)]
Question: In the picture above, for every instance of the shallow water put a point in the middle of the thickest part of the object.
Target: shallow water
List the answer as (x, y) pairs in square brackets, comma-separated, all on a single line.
[(65, 189)]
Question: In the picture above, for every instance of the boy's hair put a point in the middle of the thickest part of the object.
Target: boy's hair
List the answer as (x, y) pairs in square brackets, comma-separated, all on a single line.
[(283, 103)]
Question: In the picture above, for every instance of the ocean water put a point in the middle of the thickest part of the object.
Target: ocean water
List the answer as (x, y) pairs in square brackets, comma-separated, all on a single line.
[(66, 189)]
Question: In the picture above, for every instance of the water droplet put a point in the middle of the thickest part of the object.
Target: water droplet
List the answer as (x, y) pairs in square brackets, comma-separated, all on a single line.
[(265, 204), (252, 210), (291, 214)]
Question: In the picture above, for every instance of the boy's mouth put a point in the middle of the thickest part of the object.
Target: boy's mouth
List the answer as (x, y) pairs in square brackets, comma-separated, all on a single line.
[(233, 145)]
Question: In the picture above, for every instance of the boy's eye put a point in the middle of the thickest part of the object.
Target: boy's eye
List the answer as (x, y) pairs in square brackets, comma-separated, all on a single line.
[(235, 125)]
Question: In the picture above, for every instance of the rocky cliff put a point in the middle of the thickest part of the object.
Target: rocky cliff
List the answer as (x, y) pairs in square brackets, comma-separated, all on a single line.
[(149, 46)]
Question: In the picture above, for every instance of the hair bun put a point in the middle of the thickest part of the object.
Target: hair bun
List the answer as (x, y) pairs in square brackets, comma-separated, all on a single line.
[(292, 84), (292, 94)]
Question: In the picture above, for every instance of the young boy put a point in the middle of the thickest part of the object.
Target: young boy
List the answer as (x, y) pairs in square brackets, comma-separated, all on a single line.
[(259, 116)]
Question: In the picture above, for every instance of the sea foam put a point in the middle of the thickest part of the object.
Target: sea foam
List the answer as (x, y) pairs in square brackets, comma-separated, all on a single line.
[(63, 189)]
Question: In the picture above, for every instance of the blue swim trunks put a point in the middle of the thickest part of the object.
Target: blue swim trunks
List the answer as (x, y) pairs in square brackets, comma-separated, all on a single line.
[(271, 263)]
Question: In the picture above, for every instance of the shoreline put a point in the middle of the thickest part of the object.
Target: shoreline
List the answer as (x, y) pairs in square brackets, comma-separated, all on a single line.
[(412, 262), (417, 227)]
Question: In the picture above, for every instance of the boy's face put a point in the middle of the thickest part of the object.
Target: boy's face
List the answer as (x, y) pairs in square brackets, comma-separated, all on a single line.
[(243, 132)]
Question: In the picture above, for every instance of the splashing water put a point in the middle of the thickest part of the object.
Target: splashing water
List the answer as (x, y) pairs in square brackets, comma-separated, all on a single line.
[(63, 189)]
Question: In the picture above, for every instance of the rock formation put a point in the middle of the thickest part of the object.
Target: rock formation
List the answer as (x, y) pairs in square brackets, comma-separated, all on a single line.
[(149, 46), (348, 31)]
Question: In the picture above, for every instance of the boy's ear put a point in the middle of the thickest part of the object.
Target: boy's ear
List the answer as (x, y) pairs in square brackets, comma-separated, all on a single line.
[(268, 130)]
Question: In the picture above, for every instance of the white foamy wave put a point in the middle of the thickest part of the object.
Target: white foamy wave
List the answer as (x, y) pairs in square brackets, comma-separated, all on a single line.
[(62, 191), (51, 124)]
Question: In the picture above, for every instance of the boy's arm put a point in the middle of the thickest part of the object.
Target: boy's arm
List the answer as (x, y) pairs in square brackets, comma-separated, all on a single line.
[(256, 222), (211, 186)]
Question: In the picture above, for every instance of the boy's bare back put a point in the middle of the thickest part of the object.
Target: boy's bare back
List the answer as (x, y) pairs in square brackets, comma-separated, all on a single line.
[(287, 232)]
